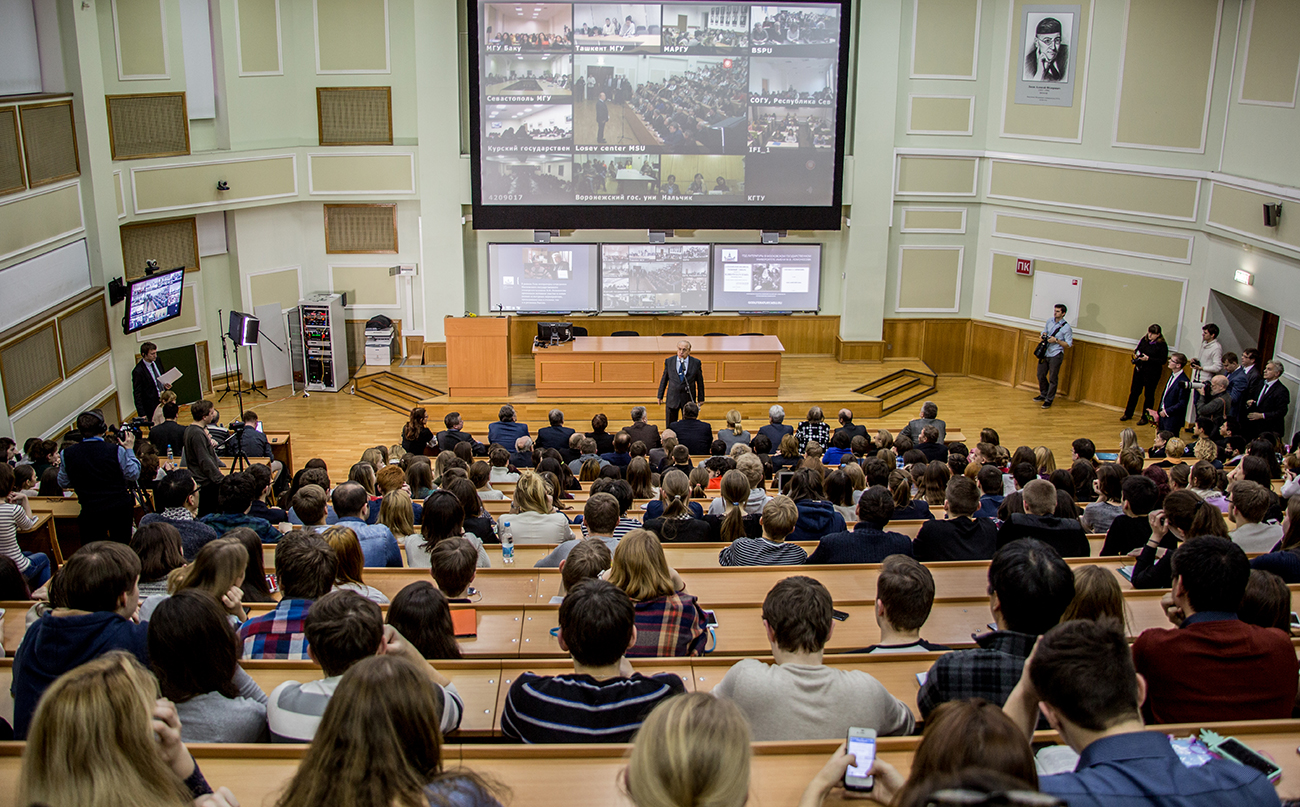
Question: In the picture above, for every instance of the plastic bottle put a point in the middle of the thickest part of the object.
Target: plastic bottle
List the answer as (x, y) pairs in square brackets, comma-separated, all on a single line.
[(507, 542), (170, 458)]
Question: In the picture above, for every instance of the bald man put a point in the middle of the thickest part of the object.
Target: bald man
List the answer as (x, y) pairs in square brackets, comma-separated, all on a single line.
[(1215, 403), (683, 381)]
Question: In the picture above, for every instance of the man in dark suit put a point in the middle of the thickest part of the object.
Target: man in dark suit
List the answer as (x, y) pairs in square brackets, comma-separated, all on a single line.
[(960, 536), (602, 116), (1266, 409), (1065, 535), (1173, 401), (145, 386), (169, 433), (448, 439), (556, 435), (776, 428), (848, 426), (683, 380), (929, 417), (695, 434), (507, 429), (647, 433), (252, 441)]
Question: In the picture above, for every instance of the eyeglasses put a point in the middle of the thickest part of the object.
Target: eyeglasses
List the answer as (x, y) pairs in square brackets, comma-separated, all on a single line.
[(1049, 40), (1019, 798)]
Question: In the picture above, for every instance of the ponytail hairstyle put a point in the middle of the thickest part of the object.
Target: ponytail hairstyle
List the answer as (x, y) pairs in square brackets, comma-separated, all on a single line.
[(1193, 516), (900, 487), (699, 481), (675, 492), (735, 492)]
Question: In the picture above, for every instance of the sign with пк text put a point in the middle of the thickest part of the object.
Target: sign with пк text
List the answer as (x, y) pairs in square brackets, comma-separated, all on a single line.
[(1024, 266)]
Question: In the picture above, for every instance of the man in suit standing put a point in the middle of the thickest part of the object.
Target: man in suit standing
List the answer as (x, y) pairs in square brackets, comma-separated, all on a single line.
[(1266, 411), (1173, 401), (145, 383), (602, 116), (683, 379)]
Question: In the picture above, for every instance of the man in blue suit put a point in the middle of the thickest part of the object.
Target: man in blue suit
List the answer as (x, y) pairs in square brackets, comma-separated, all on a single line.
[(1173, 401), (506, 430)]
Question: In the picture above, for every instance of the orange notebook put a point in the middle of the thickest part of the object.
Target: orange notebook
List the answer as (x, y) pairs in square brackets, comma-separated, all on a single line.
[(464, 622)]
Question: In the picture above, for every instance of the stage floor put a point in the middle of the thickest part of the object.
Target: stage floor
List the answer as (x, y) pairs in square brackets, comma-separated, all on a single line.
[(337, 426)]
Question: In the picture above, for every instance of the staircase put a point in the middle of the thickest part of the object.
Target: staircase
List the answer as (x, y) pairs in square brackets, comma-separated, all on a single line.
[(892, 392), (393, 391)]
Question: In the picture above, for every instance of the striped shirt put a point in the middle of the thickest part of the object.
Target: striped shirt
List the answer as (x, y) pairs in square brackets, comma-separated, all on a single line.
[(574, 708), (761, 552), (12, 519), (294, 710), (624, 526)]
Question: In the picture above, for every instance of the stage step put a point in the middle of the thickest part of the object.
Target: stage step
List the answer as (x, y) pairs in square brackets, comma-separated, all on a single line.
[(896, 390), (394, 392)]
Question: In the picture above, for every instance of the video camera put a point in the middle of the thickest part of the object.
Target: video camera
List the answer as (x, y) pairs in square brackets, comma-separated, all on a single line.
[(135, 425)]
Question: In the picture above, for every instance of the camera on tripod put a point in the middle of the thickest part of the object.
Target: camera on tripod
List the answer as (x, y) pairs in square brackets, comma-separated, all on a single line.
[(237, 426)]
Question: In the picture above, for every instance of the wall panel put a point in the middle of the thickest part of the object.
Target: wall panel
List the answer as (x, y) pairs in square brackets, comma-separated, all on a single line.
[(140, 33), (945, 345), (30, 221), (355, 174), (1035, 122), (941, 114), (283, 286), (904, 337), (1102, 238), (1091, 189), (351, 36), (1242, 212), (258, 32), (945, 38), (936, 176), (177, 187), (991, 347), (367, 286), (1170, 72), (1272, 57), (929, 278)]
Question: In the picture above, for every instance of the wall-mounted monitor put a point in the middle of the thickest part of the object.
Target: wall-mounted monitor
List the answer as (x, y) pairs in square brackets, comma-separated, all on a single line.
[(684, 114), (757, 277), (542, 278), (154, 299), (654, 277)]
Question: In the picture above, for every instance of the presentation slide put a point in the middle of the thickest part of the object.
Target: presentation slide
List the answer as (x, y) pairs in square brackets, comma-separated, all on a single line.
[(755, 277), (654, 277), (681, 104), (541, 278), (154, 299)]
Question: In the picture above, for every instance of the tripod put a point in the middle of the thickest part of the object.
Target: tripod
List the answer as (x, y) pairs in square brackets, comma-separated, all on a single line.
[(252, 380), (234, 443), (225, 361)]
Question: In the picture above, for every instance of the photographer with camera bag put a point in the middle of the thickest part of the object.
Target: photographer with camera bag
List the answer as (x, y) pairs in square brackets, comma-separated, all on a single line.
[(1057, 335), (102, 474)]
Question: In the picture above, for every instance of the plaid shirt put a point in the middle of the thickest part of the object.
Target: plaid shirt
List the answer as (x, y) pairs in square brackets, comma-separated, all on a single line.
[(672, 625), (989, 671), (821, 432), (278, 634)]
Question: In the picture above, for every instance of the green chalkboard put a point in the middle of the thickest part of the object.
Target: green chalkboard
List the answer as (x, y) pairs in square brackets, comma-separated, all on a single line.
[(189, 387)]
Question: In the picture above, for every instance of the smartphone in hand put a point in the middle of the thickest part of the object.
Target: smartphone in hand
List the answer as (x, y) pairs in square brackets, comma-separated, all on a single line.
[(862, 745)]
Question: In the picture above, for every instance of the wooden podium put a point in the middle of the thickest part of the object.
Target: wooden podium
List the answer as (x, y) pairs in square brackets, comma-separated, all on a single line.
[(478, 356)]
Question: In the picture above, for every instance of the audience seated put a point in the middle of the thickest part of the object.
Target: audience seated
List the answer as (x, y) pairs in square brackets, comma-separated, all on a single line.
[(103, 736), (377, 542), (176, 497), (341, 629), (604, 700), (817, 517), (600, 518), (868, 542), (1030, 586), (379, 742), (305, 567), (1213, 666), (669, 622), (1065, 535), (1250, 502), (93, 603), (507, 429), (678, 518), (695, 434), (961, 536), (798, 697), (1132, 528), (532, 517), (904, 597), (235, 495), (420, 613), (1185, 515), (777, 522), (1085, 681)]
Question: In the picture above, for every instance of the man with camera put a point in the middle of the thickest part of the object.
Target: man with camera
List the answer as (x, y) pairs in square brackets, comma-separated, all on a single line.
[(201, 455), (245, 436), (102, 475)]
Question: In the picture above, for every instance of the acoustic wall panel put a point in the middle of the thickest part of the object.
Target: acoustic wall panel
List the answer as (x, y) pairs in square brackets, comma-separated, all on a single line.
[(148, 125), (1166, 79), (83, 334), (354, 116), (12, 178), (360, 228), (29, 365), (171, 242), (49, 143), (62, 407)]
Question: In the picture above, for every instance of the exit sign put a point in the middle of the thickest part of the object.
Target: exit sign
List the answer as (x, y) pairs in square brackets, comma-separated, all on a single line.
[(1024, 266)]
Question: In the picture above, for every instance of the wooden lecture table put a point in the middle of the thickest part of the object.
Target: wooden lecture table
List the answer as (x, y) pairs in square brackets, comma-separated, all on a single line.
[(630, 366)]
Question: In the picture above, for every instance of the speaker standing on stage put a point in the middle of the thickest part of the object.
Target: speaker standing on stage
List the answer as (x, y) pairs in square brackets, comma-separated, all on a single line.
[(145, 384), (683, 379), (602, 115)]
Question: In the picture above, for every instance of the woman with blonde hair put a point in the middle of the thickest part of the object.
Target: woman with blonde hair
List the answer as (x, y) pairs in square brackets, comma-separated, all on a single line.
[(351, 561), (219, 569), (374, 457), (857, 477), (669, 622), (397, 513), (699, 479), (1128, 439), (363, 473), (1044, 461), (693, 749), (165, 397), (102, 737), (379, 745), (532, 518), (906, 508), (734, 433)]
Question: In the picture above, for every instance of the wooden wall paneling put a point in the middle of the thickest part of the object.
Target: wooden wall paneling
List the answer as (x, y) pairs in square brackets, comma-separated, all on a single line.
[(944, 348), (798, 334), (1027, 365), (904, 337), (414, 346), (1100, 374), (858, 351), (992, 352)]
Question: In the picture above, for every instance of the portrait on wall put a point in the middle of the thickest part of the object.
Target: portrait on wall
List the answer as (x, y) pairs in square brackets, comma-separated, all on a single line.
[(1046, 54)]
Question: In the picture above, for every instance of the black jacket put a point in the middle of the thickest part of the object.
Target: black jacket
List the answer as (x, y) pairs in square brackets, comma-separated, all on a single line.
[(144, 390), (679, 392), (961, 538), (695, 434)]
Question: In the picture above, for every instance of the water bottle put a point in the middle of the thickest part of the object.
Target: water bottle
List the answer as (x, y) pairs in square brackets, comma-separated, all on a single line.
[(507, 542), (170, 458)]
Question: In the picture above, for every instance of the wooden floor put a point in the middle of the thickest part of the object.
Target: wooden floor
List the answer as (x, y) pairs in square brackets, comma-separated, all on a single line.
[(337, 427)]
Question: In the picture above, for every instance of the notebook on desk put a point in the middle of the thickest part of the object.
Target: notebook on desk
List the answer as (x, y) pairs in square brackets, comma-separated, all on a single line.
[(464, 622)]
